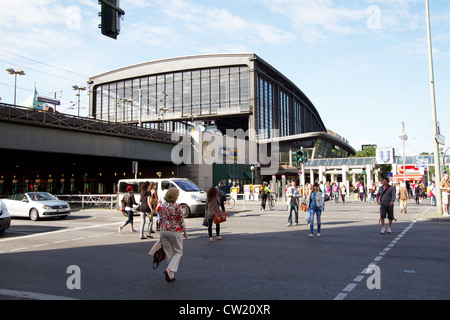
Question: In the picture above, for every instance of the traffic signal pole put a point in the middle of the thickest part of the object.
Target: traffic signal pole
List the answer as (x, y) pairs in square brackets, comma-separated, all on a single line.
[(111, 14), (115, 8)]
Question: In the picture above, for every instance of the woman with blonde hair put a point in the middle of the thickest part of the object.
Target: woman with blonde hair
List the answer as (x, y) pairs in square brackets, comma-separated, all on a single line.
[(172, 229)]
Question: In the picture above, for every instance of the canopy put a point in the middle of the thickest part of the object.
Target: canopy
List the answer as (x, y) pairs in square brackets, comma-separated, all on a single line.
[(409, 177)]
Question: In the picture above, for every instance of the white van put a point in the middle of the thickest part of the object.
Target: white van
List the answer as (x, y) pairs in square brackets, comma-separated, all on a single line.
[(191, 198)]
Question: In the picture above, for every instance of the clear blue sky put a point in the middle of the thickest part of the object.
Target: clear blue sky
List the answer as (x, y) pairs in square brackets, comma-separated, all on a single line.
[(364, 64)]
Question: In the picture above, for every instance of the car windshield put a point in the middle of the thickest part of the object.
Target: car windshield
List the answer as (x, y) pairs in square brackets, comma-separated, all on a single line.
[(41, 196), (187, 185)]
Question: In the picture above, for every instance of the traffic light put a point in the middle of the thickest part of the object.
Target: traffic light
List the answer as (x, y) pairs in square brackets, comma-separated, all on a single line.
[(111, 13), (299, 157), (295, 162)]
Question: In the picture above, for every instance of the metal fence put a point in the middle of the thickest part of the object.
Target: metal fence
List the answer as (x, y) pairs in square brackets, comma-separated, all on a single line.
[(105, 201)]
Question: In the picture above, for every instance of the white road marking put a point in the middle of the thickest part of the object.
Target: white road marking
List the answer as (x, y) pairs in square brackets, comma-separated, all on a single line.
[(342, 295), (31, 295)]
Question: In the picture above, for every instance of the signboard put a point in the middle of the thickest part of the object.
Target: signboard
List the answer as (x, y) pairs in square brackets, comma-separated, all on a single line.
[(385, 156), (48, 100)]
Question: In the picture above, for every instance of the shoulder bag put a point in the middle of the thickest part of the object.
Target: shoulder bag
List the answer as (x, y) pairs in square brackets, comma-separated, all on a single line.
[(157, 252), (220, 216)]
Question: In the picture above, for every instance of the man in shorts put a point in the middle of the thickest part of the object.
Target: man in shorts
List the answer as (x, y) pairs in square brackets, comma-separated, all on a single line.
[(445, 188), (386, 198)]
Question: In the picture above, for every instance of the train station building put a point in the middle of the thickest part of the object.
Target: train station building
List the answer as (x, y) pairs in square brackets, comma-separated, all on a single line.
[(216, 93), (136, 111)]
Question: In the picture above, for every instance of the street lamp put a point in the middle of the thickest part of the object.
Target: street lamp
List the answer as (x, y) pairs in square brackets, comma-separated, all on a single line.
[(402, 135), (15, 73), (79, 89), (437, 166)]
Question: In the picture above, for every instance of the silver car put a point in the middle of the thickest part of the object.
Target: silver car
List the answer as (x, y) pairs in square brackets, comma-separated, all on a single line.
[(36, 205), (5, 219)]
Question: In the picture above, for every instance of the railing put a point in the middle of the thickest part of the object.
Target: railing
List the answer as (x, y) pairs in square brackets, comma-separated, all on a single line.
[(105, 201), (12, 113)]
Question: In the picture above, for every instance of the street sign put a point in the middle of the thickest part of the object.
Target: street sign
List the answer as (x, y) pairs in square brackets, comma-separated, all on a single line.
[(48, 100)]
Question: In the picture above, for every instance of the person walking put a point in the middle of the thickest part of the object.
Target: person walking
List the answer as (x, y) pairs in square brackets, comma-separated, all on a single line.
[(343, 193), (404, 196), (264, 195), (386, 198), (144, 209), (127, 206), (293, 193), (335, 188), (172, 230), (212, 206), (314, 203), (432, 193), (221, 194), (153, 198), (445, 188)]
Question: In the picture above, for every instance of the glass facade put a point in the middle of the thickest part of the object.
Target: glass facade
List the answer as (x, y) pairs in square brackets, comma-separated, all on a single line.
[(174, 95), (224, 91), (327, 149), (279, 108)]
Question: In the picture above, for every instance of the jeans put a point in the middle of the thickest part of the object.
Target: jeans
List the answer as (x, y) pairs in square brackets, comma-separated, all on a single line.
[(130, 217), (318, 212), (290, 208), (336, 196)]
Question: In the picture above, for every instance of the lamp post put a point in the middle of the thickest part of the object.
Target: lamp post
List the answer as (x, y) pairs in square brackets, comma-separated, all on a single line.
[(402, 135), (437, 166), (15, 73), (79, 89)]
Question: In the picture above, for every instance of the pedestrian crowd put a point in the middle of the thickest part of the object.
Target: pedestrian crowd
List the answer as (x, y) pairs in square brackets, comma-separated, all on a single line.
[(308, 199)]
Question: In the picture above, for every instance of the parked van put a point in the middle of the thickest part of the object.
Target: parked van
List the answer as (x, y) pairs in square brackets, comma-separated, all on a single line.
[(191, 198)]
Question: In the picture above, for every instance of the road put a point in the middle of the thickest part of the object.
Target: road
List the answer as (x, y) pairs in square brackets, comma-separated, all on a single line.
[(259, 258)]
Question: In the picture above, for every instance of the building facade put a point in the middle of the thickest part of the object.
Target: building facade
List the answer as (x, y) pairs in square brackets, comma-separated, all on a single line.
[(217, 92)]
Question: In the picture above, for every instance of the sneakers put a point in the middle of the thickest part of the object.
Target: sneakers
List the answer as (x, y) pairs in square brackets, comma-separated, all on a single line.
[(383, 230)]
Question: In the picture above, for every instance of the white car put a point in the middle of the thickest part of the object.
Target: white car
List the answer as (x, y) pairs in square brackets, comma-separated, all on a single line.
[(36, 205), (5, 219)]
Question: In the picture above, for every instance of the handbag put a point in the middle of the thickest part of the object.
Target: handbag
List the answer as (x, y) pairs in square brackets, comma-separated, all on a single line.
[(157, 252), (303, 207), (220, 216), (307, 217)]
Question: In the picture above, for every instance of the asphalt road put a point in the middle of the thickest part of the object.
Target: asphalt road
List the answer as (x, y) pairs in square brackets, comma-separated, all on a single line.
[(259, 258)]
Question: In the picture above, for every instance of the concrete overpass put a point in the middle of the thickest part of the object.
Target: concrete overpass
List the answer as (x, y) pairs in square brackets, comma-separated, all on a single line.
[(61, 152), (43, 131)]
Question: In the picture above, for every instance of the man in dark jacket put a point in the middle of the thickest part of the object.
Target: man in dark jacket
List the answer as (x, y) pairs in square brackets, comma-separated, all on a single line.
[(386, 199)]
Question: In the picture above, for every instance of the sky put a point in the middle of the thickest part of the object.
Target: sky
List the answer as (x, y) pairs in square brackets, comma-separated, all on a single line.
[(363, 63)]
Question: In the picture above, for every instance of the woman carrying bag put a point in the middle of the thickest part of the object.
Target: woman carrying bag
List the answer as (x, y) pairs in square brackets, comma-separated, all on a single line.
[(172, 230), (212, 207)]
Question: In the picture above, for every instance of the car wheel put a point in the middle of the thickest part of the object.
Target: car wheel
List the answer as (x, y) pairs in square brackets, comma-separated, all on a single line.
[(34, 214), (186, 211)]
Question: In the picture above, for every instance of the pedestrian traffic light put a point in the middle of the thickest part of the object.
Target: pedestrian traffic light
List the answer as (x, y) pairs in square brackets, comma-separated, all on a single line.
[(364, 170), (301, 155), (295, 162), (110, 13)]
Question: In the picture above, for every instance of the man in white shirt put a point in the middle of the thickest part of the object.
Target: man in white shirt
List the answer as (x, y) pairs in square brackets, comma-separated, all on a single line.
[(293, 194)]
